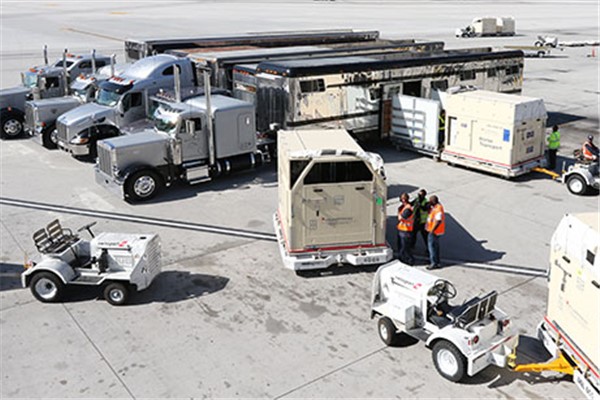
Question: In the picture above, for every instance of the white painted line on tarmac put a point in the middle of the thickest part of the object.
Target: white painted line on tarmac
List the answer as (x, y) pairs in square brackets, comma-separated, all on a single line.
[(141, 219)]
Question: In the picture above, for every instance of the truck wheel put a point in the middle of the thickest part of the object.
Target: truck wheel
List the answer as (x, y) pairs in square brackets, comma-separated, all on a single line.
[(46, 287), (538, 43), (576, 184), (116, 293), (142, 185), (541, 54), (448, 361), (12, 125), (49, 140), (387, 331)]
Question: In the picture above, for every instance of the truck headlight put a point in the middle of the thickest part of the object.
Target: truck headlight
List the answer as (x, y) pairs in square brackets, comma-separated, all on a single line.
[(80, 140)]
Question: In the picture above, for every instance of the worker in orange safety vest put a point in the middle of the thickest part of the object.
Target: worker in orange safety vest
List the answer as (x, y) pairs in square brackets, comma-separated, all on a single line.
[(589, 150), (406, 221), (435, 227)]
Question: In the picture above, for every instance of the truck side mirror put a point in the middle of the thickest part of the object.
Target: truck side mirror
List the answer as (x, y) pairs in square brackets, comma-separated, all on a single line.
[(190, 127), (42, 82)]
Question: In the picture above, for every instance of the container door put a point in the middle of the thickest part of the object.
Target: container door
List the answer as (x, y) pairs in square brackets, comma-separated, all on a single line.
[(338, 214), (528, 141), (415, 123)]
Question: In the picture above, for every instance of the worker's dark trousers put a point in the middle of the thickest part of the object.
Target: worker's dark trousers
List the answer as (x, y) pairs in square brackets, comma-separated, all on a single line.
[(404, 252), (552, 158), (418, 229)]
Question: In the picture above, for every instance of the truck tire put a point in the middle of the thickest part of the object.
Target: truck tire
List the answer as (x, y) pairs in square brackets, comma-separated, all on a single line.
[(577, 185), (540, 54), (387, 331), (142, 185), (449, 361), (47, 287), (11, 126), (49, 138), (116, 293)]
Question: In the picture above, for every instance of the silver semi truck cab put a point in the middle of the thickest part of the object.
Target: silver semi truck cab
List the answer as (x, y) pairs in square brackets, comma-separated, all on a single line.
[(41, 115), (121, 103), (188, 143), (41, 82)]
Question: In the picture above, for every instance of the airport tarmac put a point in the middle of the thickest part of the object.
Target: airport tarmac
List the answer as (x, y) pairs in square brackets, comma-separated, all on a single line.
[(225, 319)]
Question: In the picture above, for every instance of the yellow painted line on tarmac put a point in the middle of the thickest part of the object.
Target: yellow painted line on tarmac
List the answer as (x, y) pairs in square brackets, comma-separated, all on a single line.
[(95, 34), (118, 13)]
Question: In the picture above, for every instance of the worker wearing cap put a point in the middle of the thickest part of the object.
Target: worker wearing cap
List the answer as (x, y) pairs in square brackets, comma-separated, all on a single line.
[(590, 150), (436, 227), (421, 209), (406, 219), (553, 145)]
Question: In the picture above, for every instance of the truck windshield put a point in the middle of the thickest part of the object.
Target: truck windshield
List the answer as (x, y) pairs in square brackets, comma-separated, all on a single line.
[(30, 79), (165, 120), (59, 63), (110, 93)]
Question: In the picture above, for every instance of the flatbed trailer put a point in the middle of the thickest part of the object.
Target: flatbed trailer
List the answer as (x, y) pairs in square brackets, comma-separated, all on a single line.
[(137, 48)]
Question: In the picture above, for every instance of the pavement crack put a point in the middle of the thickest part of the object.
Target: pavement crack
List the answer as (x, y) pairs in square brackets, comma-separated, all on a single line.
[(333, 371), (98, 351)]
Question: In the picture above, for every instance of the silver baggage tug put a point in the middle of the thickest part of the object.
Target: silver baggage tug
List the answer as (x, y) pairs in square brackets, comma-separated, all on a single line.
[(117, 262)]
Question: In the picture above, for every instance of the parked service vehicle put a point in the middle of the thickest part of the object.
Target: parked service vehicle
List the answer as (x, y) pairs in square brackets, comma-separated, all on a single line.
[(570, 331), (583, 176), (465, 339), (120, 263), (136, 49), (41, 115), (120, 103), (488, 26), (196, 138), (41, 82), (546, 41), (332, 201)]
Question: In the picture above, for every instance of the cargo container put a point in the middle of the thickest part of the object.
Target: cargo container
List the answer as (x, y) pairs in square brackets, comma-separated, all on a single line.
[(570, 331), (494, 132), (332, 201)]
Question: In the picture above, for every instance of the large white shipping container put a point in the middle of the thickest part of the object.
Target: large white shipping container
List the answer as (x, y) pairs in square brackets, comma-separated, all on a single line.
[(484, 26), (505, 26), (499, 133)]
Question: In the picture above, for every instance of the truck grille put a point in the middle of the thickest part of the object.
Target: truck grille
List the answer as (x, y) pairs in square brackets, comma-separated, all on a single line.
[(104, 159), (29, 118), (61, 131)]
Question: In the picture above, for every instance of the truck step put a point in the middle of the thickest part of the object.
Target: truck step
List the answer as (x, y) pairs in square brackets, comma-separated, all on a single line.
[(199, 180)]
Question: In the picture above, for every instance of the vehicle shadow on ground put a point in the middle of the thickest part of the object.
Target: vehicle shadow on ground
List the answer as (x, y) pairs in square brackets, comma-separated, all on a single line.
[(336, 270), (394, 191), (168, 287), (390, 153), (10, 276), (456, 244), (263, 176), (559, 118)]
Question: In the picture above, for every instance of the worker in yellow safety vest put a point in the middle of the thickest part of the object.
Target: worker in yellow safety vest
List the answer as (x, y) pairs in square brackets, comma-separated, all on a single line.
[(436, 227), (406, 220), (553, 145)]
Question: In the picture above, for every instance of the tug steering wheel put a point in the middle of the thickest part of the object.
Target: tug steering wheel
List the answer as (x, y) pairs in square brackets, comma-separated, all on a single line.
[(87, 228), (443, 289)]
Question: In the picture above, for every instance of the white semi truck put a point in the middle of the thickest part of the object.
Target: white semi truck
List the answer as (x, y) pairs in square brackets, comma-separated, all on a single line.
[(196, 138), (121, 103), (488, 26), (42, 82), (332, 201)]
